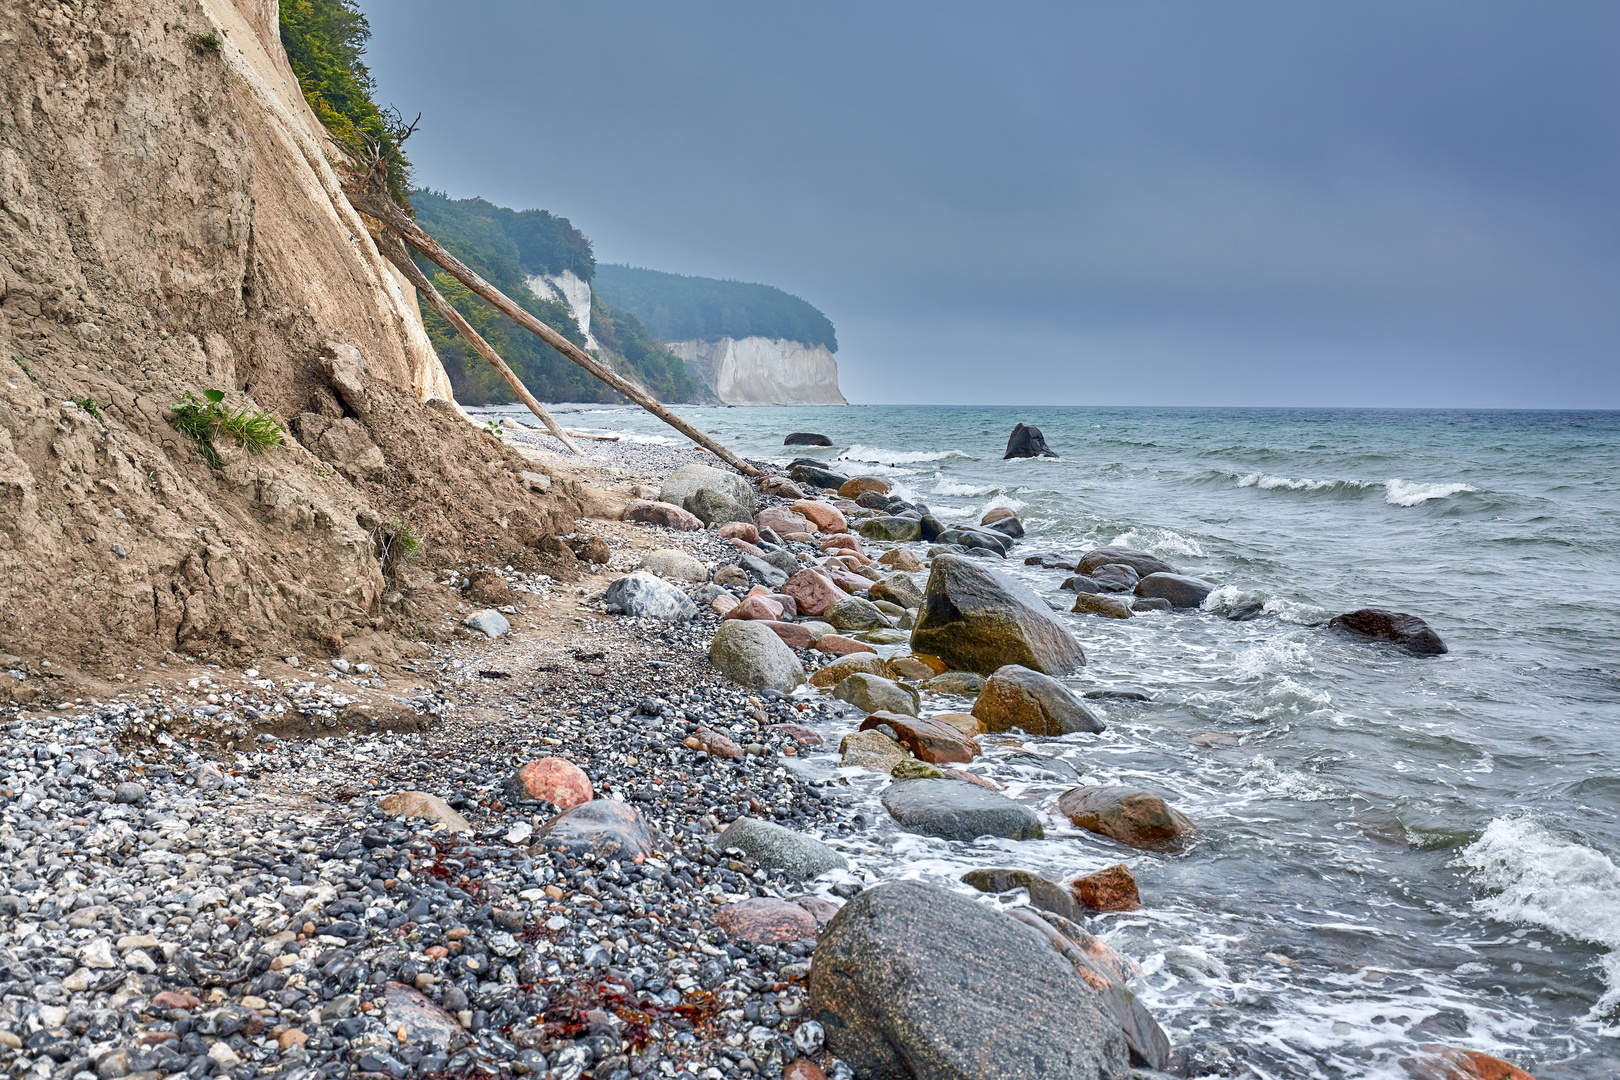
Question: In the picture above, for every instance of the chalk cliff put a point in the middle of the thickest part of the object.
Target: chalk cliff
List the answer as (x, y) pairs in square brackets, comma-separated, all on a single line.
[(572, 290), (763, 371)]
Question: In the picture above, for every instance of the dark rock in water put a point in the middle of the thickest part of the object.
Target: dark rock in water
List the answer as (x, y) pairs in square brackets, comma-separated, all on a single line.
[(1080, 583), (1040, 766), (1048, 562), (1151, 603), (957, 810), (806, 438), (1247, 611), (1115, 577), (977, 619), (914, 982), (814, 463), (1135, 818), (1140, 561), (817, 476), (897, 588), (1180, 590), (929, 740), (874, 500), (1009, 526), (1027, 441), (931, 528), (1046, 895), (1408, 631), (1016, 697), (973, 536), (1118, 695), (611, 830)]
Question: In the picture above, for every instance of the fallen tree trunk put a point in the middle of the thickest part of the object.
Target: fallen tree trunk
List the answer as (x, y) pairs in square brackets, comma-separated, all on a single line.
[(381, 207), (395, 252)]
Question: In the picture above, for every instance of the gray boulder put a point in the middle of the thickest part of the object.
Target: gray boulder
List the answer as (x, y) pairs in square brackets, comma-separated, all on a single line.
[(891, 528), (1140, 561), (856, 613), (1016, 697), (914, 982), (873, 693), (958, 810), (1408, 631), (1180, 590), (674, 563), (750, 654), (978, 619), (775, 848), (1115, 577), (644, 596), (770, 575), (897, 588), (489, 622), (716, 507), (688, 480)]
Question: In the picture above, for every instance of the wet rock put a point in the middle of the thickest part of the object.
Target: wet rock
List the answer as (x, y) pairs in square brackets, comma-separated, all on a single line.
[(842, 668), (927, 738), (816, 476), (1027, 441), (1408, 631), (1115, 577), (813, 591), (969, 536), (799, 734), (900, 998), (1435, 1061), (419, 804), (1009, 526), (910, 769), (1044, 894), (977, 619), (912, 667), (1016, 697), (765, 921), (870, 750), (794, 635), (426, 1025), (863, 485), (752, 655), (952, 810), (554, 780), (896, 529), (1140, 561), (839, 645), (1247, 611), (1110, 607), (966, 723), (1180, 590), (824, 516), (874, 693), (674, 563), (781, 487), (960, 683), (897, 589), (1041, 766), (661, 513), (1135, 818), (1080, 583), (901, 559), (1113, 889), (642, 595), (806, 438), (856, 613), (1150, 603), (996, 513), (688, 480), (773, 847), (603, 827), (489, 622)]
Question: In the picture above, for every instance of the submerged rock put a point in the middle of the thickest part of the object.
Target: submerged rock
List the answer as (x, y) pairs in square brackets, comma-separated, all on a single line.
[(870, 750), (1135, 818), (1026, 440), (1408, 631), (977, 619), (1016, 697), (1044, 894), (874, 693), (953, 810), (900, 997), (1182, 591), (1110, 607), (806, 438)]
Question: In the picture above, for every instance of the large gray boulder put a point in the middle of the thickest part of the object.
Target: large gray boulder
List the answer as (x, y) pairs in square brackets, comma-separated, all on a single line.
[(1016, 697), (688, 480), (717, 508), (750, 654), (1180, 590), (873, 693), (775, 848), (978, 619), (913, 982), (642, 595), (958, 810), (1140, 561), (856, 613), (674, 563)]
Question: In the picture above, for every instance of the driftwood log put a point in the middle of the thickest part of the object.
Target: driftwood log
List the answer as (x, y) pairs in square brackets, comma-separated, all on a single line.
[(363, 193), (394, 251)]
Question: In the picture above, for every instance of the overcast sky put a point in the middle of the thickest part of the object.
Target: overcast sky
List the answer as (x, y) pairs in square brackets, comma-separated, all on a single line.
[(1255, 203)]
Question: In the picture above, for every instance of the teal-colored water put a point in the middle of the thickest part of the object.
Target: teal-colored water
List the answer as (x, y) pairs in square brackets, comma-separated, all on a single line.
[(1395, 850)]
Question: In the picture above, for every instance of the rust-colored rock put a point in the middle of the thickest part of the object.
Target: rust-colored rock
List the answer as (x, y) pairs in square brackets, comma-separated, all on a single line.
[(996, 513), (738, 530), (851, 489), (824, 516), (782, 521), (803, 1069), (173, 999), (843, 646), (1135, 818), (909, 667), (756, 607), (1437, 1062), (766, 921), (1113, 889), (844, 541), (926, 738), (839, 670), (813, 591), (559, 782), (662, 513), (794, 635), (848, 581), (798, 733), (714, 743), (901, 559)]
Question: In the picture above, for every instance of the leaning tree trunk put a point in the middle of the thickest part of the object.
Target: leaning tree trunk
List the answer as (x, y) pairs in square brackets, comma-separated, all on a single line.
[(381, 207), (395, 252)]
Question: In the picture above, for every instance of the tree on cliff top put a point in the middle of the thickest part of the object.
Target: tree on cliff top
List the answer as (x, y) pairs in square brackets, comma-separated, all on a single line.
[(325, 40)]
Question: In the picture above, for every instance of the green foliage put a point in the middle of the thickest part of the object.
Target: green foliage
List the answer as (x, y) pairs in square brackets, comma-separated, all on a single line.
[(397, 545), (325, 40), (492, 428), (506, 248), (208, 43), (88, 404), (28, 371), (675, 307), (200, 420)]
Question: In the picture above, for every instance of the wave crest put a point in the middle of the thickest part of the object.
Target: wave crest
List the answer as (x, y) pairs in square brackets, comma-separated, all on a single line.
[(1398, 492), (881, 456)]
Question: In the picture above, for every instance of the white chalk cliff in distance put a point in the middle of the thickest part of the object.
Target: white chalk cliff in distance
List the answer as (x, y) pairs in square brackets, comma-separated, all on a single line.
[(572, 290), (763, 371)]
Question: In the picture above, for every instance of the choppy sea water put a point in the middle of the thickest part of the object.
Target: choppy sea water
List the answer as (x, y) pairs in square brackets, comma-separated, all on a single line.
[(1394, 850)]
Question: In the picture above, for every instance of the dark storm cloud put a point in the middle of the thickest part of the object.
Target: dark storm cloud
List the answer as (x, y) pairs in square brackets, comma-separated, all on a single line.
[(1259, 203)]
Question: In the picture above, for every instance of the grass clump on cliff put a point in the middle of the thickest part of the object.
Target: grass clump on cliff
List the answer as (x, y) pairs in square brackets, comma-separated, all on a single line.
[(201, 419), (325, 40), (397, 545)]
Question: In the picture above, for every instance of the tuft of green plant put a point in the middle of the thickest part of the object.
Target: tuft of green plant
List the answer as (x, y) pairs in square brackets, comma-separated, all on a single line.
[(200, 420), (397, 544), (28, 371), (208, 43), (88, 404), (492, 428)]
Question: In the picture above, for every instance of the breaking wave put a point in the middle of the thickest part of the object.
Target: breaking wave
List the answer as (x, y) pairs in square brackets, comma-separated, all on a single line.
[(1398, 492), (899, 457)]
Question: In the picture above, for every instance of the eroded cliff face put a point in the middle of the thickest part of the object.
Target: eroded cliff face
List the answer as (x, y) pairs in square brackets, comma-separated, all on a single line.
[(763, 371), (170, 223), (572, 290)]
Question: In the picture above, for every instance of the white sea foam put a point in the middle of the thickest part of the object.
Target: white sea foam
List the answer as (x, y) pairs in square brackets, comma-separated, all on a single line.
[(898, 457), (948, 489), (1398, 492), (1228, 597), (1542, 879), (1161, 542), (1267, 482)]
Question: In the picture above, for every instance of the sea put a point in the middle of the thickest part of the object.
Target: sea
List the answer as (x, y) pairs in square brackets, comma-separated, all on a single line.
[(1394, 850)]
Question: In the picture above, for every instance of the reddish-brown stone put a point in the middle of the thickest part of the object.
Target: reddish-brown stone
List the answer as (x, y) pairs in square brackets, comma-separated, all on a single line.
[(1135, 818), (723, 603), (1439, 1062), (746, 548), (766, 921), (1113, 889), (795, 635), (849, 582), (799, 733), (790, 606), (557, 781), (714, 743), (901, 559), (662, 513), (852, 488), (909, 667), (845, 541), (824, 516), (926, 738), (842, 646), (803, 1069), (756, 607), (738, 530), (173, 999), (813, 591), (839, 670), (996, 513), (782, 521)]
